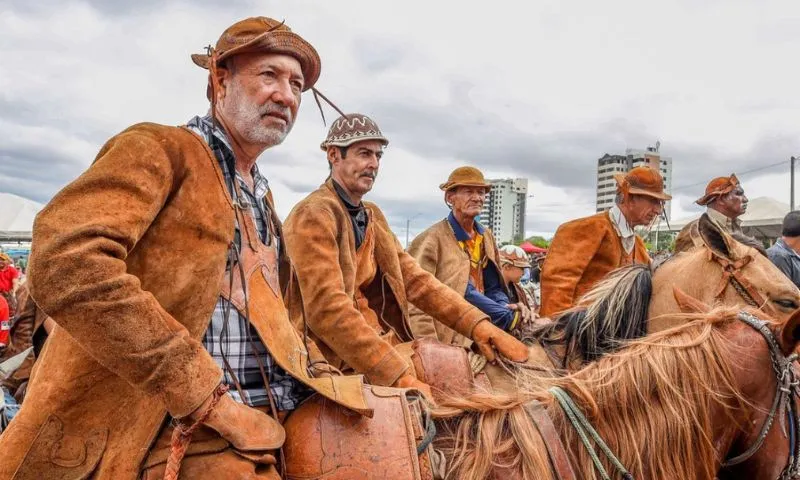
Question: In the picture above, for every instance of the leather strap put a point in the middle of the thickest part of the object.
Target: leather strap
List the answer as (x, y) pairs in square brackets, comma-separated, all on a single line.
[(559, 461), (732, 274)]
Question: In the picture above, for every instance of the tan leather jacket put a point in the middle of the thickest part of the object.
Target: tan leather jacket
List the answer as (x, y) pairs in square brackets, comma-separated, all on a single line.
[(437, 251), (128, 259), (319, 237), (581, 254)]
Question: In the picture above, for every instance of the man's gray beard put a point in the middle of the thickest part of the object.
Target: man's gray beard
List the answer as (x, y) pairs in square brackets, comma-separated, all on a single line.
[(247, 116)]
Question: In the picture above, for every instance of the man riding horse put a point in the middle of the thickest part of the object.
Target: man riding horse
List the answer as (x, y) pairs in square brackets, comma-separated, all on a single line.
[(585, 250), (463, 255), (164, 268), (355, 282), (725, 202)]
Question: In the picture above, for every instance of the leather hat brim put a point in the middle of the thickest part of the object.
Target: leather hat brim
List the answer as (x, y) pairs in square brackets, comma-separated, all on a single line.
[(279, 42), (451, 185)]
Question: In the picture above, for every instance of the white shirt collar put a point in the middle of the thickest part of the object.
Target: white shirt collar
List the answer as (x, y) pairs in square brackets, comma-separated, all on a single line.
[(623, 228)]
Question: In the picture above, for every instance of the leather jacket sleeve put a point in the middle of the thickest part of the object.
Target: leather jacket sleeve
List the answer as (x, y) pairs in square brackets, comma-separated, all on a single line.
[(79, 276)]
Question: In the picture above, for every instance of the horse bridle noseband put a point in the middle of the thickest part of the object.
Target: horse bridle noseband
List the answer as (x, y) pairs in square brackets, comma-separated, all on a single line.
[(788, 387), (732, 274)]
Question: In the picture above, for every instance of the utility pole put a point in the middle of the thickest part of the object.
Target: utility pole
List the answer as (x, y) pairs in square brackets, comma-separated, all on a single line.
[(791, 185)]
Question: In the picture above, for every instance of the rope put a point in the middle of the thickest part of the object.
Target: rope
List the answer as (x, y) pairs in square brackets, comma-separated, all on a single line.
[(583, 426), (182, 436)]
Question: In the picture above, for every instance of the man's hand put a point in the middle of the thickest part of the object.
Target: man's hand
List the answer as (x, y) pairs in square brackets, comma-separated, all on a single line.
[(525, 315), (488, 338), (246, 428), (410, 381)]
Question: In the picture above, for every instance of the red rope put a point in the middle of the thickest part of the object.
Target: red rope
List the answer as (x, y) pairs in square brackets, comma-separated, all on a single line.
[(182, 436)]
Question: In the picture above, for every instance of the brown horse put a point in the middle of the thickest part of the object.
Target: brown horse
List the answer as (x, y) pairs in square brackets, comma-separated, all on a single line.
[(725, 271), (676, 404), (633, 301)]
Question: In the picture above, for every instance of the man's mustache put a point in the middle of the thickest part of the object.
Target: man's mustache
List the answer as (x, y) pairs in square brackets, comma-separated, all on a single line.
[(276, 110), (372, 175)]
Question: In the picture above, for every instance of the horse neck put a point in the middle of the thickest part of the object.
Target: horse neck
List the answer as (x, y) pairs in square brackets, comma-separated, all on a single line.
[(694, 274), (682, 414)]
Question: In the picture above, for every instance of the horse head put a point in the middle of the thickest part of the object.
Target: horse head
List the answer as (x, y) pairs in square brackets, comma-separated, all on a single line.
[(723, 270)]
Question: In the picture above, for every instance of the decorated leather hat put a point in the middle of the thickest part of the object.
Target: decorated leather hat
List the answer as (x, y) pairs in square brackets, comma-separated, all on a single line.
[(465, 177), (718, 186), (352, 128), (513, 255), (642, 180), (267, 35)]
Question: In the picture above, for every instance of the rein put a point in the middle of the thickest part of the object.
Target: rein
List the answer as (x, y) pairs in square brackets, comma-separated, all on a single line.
[(788, 386)]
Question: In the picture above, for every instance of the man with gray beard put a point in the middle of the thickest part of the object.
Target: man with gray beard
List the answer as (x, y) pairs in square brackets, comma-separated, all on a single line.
[(164, 268)]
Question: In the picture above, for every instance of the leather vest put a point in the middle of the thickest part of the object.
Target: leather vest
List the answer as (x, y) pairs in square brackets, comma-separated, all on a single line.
[(254, 289)]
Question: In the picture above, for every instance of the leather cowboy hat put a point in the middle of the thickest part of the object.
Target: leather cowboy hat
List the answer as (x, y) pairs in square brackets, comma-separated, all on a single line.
[(267, 35), (513, 255), (718, 186), (642, 180), (465, 177), (352, 128)]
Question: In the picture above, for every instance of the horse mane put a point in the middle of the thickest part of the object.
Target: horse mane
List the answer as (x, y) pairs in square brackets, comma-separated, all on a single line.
[(652, 403), (612, 312)]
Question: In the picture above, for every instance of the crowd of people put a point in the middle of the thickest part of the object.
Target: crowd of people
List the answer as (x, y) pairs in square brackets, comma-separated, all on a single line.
[(184, 322)]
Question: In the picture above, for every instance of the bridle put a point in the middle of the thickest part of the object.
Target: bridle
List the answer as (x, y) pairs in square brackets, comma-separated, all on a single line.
[(732, 275), (788, 387)]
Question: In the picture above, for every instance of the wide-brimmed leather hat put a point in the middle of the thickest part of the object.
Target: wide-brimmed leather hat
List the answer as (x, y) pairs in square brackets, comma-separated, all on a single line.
[(513, 255), (465, 177), (352, 128), (642, 180), (718, 186), (267, 35)]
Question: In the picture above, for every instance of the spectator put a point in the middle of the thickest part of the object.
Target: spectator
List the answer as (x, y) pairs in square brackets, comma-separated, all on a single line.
[(9, 278), (785, 254)]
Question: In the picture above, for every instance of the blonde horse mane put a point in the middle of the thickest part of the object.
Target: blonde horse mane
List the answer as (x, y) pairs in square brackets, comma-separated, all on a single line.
[(652, 403)]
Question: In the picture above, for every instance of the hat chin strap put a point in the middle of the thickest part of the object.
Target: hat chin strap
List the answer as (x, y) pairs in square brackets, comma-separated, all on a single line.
[(317, 96)]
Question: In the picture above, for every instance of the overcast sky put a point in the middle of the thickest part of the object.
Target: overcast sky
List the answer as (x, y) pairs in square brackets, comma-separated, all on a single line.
[(519, 89)]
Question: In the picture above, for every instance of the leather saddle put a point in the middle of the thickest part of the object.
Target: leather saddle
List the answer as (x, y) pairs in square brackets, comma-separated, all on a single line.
[(325, 440)]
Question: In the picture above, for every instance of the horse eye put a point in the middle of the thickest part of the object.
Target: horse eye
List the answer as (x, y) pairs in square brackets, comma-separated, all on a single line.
[(790, 304)]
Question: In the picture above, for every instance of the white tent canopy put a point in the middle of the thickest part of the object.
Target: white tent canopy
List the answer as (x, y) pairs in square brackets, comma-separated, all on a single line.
[(16, 216), (763, 219)]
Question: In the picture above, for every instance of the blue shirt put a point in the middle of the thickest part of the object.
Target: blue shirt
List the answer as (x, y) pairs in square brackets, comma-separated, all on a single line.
[(786, 259), (494, 299)]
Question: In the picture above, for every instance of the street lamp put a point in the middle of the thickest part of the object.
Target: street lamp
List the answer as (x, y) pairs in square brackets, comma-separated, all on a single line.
[(408, 224), (791, 184)]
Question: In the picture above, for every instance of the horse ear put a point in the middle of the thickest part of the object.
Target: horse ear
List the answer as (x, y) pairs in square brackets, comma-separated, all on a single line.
[(790, 333), (715, 237), (689, 304)]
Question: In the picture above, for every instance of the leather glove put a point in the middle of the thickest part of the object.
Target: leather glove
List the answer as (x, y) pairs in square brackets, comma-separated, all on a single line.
[(246, 428), (489, 338), (410, 381), (525, 315)]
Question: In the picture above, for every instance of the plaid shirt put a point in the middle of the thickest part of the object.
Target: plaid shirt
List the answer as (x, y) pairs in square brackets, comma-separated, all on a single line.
[(240, 344)]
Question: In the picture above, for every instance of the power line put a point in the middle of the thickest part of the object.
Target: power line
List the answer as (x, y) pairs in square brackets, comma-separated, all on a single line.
[(575, 204), (739, 174)]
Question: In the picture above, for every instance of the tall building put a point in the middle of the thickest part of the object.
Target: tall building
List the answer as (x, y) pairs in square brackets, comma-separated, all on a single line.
[(504, 209), (608, 165)]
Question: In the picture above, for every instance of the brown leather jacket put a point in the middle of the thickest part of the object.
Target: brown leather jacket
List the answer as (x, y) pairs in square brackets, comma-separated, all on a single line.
[(319, 237), (581, 254), (689, 236), (128, 260), (437, 251)]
